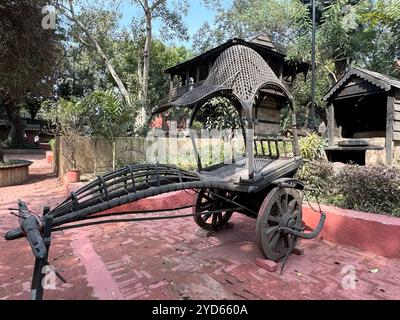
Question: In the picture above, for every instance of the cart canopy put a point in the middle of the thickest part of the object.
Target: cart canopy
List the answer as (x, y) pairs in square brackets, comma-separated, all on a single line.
[(238, 73)]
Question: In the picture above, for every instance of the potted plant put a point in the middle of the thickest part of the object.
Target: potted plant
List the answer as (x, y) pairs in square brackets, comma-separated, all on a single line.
[(67, 119), (70, 143), (50, 153)]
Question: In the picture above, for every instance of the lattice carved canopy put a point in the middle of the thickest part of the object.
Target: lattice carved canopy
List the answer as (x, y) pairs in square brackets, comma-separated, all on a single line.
[(239, 70)]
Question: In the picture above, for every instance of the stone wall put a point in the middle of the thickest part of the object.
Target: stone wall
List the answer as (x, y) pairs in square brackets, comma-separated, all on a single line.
[(396, 156), (98, 155), (95, 155)]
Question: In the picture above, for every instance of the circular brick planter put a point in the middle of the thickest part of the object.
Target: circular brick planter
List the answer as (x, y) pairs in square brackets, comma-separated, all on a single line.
[(14, 174)]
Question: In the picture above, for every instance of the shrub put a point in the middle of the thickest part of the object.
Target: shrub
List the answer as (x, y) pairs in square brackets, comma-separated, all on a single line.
[(197, 126), (52, 143), (312, 147), (318, 175), (375, 189), (370, 189)]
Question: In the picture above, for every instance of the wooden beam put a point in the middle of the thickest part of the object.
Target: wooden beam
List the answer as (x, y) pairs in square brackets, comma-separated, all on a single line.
[(357, 88), (187, 78), (296, 148), (397, 106), (171, 85), (331, 124), (250, 149), (396, 116), (389, 128)]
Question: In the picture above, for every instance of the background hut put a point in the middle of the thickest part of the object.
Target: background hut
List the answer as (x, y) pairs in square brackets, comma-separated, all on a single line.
[(364, 118)]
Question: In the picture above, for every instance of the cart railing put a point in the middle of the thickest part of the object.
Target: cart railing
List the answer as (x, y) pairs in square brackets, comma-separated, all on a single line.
[(273, 147)]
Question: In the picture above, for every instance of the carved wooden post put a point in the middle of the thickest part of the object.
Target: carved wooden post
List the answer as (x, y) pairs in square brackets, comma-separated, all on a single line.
[(171, 85), (331, 124), (197, 74), (389, 128)]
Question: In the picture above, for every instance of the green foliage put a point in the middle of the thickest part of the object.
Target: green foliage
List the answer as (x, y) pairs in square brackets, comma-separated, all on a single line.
[(319, 176), (108, 114), (28, 53), (163, 57), (375, 189), (280, 19), (101, 113), (84, 70), (360, 33), (312, 147), (371, 189), (65, 116), (69, 120), (52, 143), (197, 125), (220, 114)]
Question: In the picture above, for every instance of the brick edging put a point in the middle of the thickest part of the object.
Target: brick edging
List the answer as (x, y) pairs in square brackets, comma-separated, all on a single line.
[(376, 233)]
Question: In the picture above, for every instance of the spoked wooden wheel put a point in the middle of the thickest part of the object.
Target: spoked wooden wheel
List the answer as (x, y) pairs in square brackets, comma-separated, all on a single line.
[(281, 208), (206, 205)]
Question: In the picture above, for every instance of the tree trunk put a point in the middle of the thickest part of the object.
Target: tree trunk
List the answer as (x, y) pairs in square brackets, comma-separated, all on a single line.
[(146, 55), (109, 65), (1, 154), (140, 76), (146, 64), (16, 135)]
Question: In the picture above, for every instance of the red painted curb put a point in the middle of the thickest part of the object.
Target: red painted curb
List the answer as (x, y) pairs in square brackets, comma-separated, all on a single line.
[(367, 231), (159, 202), (164, 201), (376, 233)]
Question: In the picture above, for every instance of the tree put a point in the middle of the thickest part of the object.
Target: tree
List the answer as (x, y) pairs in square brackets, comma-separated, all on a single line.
[(172, 24), (68, 10), (281, 20), (350, 33), (28, 57), (109, 116), (163, 57)]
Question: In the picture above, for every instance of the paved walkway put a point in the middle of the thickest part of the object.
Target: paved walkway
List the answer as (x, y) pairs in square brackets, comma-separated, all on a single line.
[(172, 260)]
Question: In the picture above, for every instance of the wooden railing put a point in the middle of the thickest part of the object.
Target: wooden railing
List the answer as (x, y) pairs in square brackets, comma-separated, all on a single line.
[(273, 147), (176, 93)]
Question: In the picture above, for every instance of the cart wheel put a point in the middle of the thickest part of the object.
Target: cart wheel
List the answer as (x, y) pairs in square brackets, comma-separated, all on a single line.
[(206, 202), (281, 207)]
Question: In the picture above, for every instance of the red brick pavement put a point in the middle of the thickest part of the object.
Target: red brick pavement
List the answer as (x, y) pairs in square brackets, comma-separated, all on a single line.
[(173, 260)]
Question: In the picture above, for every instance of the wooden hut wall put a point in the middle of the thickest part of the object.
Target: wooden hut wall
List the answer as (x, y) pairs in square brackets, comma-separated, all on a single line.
[(268, 117), (396, 116)]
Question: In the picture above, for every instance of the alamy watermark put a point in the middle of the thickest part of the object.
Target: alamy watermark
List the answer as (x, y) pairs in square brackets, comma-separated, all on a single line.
[(50, 17), (49, 279), (220, 146), (349, 279)]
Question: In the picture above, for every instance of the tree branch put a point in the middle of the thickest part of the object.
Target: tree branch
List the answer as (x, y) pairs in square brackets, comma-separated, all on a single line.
[(329, 71), (71, 8), (98, 48), (141, 4), (86, 43), (156, 4)]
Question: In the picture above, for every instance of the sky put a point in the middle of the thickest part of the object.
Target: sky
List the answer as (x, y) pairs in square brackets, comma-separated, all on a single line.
[(198, 14)]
